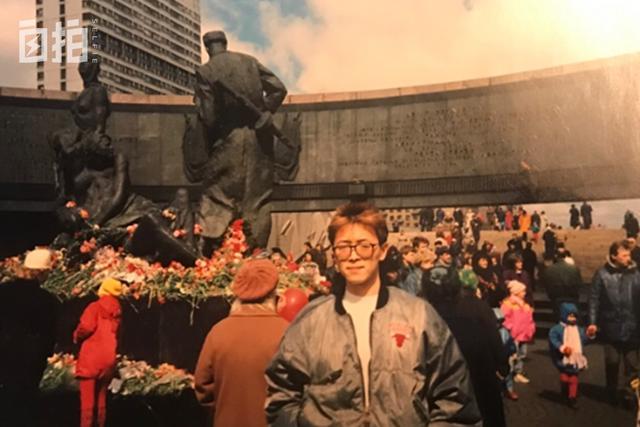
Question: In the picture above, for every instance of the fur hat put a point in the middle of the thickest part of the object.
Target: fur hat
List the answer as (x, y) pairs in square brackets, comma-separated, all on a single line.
[(255, 280), (515, 287), (110, 286)]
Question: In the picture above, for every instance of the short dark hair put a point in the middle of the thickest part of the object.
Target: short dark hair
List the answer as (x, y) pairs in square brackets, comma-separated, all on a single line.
[(415, 242), (617, 245), (277, 250)]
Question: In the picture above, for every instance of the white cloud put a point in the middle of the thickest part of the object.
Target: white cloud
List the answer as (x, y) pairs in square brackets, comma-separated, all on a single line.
[(12, 72), (365, 44), (211, 24)]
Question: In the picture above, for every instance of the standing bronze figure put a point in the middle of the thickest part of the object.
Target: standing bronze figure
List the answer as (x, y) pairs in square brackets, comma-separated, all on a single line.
[(231, 147)]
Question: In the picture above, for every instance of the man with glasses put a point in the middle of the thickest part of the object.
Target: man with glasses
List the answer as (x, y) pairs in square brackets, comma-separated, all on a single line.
[(368, 355)]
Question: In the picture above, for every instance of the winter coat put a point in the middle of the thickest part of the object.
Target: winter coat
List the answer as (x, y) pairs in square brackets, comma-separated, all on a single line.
[(434, 279), (613, 303), (417, 374), (550, 242), (229, 377), (632, 226), (574, 220), (473, 324), (97, 331), (491, 287), (556, 339), (27, 333), (412, 282), (524, 222), (562, 280), (518, 319)]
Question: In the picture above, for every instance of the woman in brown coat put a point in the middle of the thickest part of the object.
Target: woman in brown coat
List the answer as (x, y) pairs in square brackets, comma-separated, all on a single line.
[(229, 376)]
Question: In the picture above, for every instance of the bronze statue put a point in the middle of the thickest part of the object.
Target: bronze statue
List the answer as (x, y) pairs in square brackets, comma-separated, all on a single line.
[(90, 174), (231, 148), (88, 171)]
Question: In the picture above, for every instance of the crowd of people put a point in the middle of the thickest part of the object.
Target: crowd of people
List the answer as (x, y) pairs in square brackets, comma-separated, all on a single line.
[(501, 218), (433, 332)]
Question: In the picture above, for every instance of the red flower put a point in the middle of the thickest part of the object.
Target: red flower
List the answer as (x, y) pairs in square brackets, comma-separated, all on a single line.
[(71, 204), (161, 299), (179, 233), (88, 246), (132, 228), (176, 266), (237, 225), (84, 214), (197, 229)]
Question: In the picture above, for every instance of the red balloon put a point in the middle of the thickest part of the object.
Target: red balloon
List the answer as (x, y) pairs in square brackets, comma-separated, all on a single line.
[(291, 302)]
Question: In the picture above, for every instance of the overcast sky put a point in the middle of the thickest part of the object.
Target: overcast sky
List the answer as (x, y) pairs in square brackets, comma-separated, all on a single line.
[(345, 45)]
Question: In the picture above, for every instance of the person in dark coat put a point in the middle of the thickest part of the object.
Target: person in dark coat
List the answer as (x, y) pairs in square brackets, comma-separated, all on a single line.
[(426, 219), (458, 216), (500, 215), (535, 220), (476, 225), (513, 249), (562, 281), (473, 324), (514, 270), (530, 262), (485, 251), (27, 338), (585, 213), (631, 225), (574, 217), (97, 332), (614, 303), (491, 287), (550, 242), (432, 280)]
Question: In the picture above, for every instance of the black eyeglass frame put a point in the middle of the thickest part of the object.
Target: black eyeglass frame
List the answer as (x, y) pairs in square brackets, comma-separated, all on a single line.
[(352, 248)]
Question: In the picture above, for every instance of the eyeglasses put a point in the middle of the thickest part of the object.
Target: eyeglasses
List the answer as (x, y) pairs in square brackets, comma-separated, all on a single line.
[(364, 250)]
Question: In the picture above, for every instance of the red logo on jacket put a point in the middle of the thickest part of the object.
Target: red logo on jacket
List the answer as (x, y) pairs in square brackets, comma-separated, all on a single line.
[(400, 339), (400, 332)]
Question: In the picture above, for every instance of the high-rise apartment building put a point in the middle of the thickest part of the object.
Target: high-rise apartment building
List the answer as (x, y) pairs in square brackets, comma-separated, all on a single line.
[(145, 46)]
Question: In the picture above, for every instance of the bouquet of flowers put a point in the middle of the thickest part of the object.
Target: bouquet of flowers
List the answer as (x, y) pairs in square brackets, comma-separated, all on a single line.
[(59, 375), (138, 378), (135, 378), (209, 277)]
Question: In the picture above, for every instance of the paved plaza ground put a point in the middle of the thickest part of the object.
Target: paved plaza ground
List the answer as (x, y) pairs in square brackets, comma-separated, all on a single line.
[(540, 402)]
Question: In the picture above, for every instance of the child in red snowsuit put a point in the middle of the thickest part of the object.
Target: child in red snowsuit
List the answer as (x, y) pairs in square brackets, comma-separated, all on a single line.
[(96, 365)]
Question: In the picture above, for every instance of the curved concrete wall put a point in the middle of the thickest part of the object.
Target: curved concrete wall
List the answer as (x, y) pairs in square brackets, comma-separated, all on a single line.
[(556, 134)]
